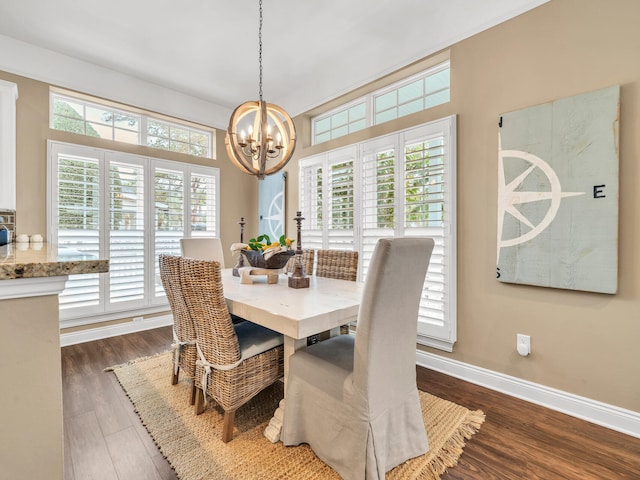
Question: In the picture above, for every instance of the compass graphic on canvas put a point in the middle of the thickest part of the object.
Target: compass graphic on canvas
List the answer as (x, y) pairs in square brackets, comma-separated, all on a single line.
[(557, 215), (510, 198), (271, 205), (275, 215)]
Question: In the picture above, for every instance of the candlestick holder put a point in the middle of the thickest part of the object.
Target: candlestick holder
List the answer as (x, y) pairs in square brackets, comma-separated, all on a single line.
[(298, 279), (240, 262)]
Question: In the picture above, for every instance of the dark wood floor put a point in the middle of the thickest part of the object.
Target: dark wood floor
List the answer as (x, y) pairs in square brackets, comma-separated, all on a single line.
[(105, 440)]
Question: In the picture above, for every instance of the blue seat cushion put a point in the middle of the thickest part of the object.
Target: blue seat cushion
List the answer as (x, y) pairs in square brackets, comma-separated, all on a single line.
[(255, 339)]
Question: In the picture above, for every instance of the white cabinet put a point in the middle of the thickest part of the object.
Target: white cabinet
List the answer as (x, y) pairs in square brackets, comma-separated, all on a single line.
[(8, 97)]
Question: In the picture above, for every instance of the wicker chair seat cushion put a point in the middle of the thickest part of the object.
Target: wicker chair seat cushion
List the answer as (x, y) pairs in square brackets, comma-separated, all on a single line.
[(255, 339)]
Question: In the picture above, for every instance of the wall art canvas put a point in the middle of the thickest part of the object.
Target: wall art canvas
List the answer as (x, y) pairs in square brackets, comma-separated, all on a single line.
[(558, 193), (271, 205)]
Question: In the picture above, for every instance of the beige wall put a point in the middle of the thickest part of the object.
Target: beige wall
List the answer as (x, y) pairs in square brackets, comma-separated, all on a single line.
[(583, 343)]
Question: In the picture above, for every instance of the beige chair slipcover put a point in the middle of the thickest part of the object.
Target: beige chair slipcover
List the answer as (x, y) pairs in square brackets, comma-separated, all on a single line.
[(203, 248), (355, 401)]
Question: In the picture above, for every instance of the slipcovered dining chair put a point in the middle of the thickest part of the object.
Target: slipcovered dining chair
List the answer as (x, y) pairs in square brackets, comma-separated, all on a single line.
[(307, 262), (235, 362), (184, 332), (203, 248), (340, 264), (354, 400)]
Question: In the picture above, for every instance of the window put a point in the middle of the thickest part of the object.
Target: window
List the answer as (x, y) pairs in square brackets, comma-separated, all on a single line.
[(127, 208), (417, 93), (397, 185), (177, 138), (341, 122), (91, 118)]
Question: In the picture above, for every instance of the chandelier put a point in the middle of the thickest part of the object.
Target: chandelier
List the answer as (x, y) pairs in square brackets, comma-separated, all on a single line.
[(261, 136)]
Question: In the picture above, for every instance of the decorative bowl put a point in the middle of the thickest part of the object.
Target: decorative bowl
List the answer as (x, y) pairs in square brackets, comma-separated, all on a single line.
[(278, 260)]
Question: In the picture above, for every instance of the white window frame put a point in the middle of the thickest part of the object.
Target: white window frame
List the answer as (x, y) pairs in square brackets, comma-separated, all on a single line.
[(369, 101), (398, 85), (340, 109), (143, 119), (153, 300), (437, 329)]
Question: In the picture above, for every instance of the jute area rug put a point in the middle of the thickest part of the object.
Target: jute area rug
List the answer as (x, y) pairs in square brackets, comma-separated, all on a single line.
[(192, 444)]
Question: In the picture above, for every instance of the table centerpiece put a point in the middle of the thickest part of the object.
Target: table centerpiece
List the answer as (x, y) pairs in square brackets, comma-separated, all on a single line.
[(263, 254)]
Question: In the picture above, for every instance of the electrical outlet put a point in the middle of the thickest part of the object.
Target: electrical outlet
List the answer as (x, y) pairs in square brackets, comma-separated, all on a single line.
[(523, 344), (138, 319)]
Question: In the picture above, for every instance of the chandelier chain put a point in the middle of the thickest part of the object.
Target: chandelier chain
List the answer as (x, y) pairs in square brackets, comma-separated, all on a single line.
[(260, 50), (270, 139)]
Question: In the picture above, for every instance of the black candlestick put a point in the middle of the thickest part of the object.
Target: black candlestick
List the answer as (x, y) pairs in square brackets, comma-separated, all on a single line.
[(298, 278), (242, 224), (240, 262)]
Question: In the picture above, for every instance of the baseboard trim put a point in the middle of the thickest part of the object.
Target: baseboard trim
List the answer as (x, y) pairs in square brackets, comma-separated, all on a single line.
[(99, 333), (609, 416)]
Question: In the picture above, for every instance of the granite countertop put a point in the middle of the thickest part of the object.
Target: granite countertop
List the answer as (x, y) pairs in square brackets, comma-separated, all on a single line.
[(24, 260)]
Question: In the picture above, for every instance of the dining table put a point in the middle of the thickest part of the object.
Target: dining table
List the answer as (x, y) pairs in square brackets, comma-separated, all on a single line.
[(297, 313)]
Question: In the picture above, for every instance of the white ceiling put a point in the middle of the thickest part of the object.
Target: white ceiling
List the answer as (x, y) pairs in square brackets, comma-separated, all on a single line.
[(313, 51)]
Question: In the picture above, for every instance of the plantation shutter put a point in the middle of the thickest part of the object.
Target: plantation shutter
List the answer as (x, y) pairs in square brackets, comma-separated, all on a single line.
[(126, 231), (169, 208), (379, 195), (429, 210), (311, 203), (397, 185), (203, 204), (340, 207), (129, 209), (75, 223)]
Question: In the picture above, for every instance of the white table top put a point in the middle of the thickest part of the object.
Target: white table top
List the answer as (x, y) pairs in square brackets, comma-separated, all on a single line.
[(296, 313)]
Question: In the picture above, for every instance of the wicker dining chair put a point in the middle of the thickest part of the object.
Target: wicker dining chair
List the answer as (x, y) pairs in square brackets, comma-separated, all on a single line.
[(205, 248), (184, 332), (340, 264), (307, 262), (235, 361)]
